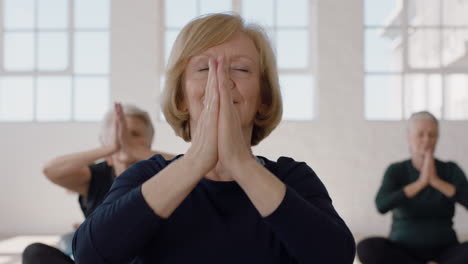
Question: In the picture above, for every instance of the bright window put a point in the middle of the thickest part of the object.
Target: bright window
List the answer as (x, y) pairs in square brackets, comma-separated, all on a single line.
[(54, 63), (416, 58), (288, 25)]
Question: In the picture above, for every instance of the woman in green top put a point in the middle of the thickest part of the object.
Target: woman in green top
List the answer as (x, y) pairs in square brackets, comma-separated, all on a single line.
[(421, 192)]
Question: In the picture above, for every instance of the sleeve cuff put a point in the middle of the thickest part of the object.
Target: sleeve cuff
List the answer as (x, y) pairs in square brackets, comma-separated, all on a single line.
[(400, 196), (142, 207)]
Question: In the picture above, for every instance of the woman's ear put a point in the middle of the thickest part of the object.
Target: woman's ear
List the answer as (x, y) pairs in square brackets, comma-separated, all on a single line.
[(181, 103), (183, 106), (262, 109)]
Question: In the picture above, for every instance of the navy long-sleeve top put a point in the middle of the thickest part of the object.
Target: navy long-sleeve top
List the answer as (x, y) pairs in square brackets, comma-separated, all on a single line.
[(216, 223)]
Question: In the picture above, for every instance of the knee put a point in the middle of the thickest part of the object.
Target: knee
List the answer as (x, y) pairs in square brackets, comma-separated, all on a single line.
[(368, 249), (371, 243), (34, 252)]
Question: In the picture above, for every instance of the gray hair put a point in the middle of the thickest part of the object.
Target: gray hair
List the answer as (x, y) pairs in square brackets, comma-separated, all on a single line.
[(128, 110), (422, 115)]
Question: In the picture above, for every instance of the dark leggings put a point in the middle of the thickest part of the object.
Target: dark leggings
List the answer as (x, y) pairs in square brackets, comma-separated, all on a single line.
[(378, 250), (38, 253)]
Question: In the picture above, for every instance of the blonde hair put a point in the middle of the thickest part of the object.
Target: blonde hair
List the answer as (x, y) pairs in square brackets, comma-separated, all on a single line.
[(201, 34), (105, 136)]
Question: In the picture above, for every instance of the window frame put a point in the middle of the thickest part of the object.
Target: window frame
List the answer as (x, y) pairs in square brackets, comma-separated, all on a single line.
[(406, 69), (69, 72)]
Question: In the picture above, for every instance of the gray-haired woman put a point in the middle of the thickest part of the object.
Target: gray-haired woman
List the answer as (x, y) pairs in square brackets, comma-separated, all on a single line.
[(421, 192)]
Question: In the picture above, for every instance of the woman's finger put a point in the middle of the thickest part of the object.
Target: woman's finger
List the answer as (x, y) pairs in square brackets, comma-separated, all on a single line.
[(225, 86), (119, 112), (211, 85), (205, 136)]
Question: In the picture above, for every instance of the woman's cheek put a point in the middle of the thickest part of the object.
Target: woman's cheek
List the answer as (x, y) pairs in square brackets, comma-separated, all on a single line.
[(196, 88)]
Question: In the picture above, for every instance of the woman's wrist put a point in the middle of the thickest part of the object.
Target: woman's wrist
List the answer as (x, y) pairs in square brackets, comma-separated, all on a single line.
[(414, 188), (240, 167), (437, 182), (110, 149), (422, 183), (195, 165), (444, 187)]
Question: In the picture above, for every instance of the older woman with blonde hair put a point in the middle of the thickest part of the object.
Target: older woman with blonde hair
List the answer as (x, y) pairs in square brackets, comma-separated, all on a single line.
[(218, 203), (126, 136), (422, 193)]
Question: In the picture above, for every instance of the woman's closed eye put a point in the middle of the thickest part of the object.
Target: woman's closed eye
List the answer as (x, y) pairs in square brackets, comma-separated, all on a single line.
[(241, 69), (241, 72)]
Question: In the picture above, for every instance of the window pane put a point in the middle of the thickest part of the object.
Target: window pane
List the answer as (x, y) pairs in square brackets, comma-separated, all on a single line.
[(293, 49), (382, 52), (91, 99), (215, 6), (251, 12), (434, 95), (424, 48), (382, 12), (54, 98), (424, 12), (91, 52), (19, 51), (171, 36), (423, 92), (92, 14), (19, 14), (455, 48), (293, 13), (298, 97), (16, 99), (53, 14), (180, 12), (415, 94), (383, 97), (456, 96), (455, 12), (53, 51)]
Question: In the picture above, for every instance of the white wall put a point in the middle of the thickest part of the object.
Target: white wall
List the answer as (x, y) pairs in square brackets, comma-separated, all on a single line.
[(348, 153)]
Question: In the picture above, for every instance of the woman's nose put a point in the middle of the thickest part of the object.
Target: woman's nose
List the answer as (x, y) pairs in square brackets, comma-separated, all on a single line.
[(427, 139), (229, 82)]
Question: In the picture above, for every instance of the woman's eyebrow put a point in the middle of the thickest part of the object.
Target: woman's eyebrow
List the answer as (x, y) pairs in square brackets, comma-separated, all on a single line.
[(202, 56), (199, 57), (243, 57)]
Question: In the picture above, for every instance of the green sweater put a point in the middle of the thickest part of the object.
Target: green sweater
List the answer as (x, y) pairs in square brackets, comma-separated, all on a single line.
[(425, 220)]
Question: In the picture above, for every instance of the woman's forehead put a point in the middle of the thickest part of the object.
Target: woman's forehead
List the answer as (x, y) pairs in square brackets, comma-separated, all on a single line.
[(239, 47), (233, 58), (135, 121), (424, 124)]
